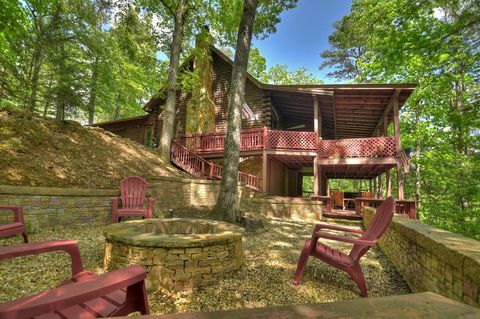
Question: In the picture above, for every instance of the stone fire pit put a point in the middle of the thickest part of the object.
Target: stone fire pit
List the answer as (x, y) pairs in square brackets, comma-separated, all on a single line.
[(178, 253)]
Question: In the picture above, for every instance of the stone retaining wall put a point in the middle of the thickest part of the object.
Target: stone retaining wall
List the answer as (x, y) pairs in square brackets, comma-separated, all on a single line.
[(283, 207), (432, 259), (51, 207)]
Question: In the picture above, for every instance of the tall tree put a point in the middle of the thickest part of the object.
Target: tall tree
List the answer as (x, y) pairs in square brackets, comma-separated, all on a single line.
[(436, 44), (227, 198), (180, 14), (227, 203)]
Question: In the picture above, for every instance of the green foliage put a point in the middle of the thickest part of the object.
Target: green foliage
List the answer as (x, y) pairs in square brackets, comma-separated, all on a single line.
[(77, 56), (277, 74), (435, 44)]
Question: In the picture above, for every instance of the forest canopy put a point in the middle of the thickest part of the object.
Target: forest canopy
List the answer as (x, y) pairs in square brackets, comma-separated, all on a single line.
[(100, 60), (435, 44)]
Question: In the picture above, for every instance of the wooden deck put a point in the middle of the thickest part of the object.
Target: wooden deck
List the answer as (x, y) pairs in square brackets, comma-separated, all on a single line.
[(419, 305), (258, 140)]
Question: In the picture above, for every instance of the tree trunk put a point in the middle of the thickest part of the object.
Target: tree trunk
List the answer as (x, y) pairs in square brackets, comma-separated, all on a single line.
[(37, 66), (418, 179), (93, 92), (117, 111), (227, 204), (169, 113), (62, 88)]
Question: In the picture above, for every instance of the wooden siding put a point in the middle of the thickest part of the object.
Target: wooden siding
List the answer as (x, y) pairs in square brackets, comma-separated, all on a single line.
[(222, 73), (133, 129)]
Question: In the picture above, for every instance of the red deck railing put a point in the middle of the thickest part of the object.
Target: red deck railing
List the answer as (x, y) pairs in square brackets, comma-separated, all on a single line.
[(197, 166), (259, 139), (215, 142)]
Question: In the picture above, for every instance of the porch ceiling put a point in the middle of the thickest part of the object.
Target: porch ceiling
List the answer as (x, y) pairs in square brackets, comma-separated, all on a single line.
[(363, 171), (294, 161), (347, 111)]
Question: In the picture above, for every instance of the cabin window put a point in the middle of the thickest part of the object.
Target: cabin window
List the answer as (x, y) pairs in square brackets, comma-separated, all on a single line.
[(247, 113)]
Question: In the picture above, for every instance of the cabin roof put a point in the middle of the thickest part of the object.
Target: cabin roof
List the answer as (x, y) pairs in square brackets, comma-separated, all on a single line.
[(128, 119), (347, 110)]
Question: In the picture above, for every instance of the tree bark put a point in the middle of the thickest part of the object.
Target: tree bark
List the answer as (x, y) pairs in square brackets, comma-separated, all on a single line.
[(169, 112), (37, 66), (62, 94), (227, 204), (92, 101), (418, 176), (117, 111)]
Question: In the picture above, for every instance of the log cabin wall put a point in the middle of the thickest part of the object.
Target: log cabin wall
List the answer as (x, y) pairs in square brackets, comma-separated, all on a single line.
[(134, 128), (222, 74), (181, 113)]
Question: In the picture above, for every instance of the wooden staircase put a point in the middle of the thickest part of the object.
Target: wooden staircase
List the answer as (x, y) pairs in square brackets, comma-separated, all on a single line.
[(199, 167)]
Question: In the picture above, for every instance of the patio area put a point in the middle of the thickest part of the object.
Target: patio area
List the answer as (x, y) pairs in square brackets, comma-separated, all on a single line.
[(263, 280)]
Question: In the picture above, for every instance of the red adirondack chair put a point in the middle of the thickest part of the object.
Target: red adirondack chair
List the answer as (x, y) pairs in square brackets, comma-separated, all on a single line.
[(133, 191), (338, 199), (348, 263), (85, 295), (15, 227)]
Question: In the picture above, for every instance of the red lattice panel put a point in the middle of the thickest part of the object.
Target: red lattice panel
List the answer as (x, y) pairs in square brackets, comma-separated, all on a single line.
[(357, 147), (292, 140)]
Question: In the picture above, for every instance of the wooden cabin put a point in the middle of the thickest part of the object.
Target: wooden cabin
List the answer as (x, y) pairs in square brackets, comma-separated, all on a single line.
[(329, 131)]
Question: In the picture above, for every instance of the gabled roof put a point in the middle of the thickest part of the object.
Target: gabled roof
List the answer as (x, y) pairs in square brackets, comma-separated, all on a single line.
[(347, 110)]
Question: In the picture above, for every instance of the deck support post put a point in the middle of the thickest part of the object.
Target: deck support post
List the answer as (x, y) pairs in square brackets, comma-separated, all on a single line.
[(388, 183), (380, 186), (315, 176), (265, 172), (375, 191), (400, 178), (321, 183), (327, 182)]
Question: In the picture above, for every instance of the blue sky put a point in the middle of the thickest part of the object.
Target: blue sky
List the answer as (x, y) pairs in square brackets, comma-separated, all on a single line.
[(303, 34)]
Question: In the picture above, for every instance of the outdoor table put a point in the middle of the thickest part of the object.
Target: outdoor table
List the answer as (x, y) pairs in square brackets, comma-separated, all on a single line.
[(406, 207)]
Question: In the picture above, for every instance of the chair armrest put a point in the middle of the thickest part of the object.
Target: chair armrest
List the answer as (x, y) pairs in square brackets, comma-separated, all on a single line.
[(72, 294), (337, 228), (151, 202), (68, 246), (115, 201), (17, 211), (344, 239)]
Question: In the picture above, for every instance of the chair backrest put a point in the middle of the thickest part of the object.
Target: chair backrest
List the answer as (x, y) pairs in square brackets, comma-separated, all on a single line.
[(338, 198), (133, 191), (378, 225), (367, 194)]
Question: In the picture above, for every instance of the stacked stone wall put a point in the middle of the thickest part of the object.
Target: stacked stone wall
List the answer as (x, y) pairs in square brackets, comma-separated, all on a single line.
[(176, 268), (51, 207), (431, 259), (46, 207)]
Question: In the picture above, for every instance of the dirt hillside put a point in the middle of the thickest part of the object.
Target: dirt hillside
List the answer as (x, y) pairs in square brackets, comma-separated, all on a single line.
[(36, 151)]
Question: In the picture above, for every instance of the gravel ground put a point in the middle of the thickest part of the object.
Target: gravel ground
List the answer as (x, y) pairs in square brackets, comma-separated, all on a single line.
[(264, 279)]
